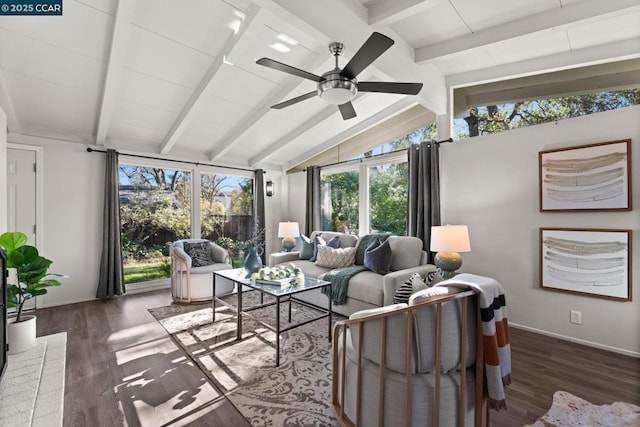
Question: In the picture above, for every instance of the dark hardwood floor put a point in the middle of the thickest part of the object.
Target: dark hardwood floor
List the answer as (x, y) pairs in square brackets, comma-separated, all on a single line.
[(124, 370)]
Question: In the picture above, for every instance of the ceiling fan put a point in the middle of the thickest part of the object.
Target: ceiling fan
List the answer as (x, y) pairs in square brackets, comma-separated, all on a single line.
[(340, 86)]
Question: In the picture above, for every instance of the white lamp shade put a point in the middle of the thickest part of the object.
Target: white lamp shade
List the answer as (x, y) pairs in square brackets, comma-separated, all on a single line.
[(288, 229), (450, 238)]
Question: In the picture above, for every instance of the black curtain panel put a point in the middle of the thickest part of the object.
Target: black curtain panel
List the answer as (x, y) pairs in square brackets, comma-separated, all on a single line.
[(111, 280), (312, 213), (259, 200), (423, 204)]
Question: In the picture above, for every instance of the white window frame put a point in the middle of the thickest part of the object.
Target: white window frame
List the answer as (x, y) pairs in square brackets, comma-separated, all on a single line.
[(362, 166)]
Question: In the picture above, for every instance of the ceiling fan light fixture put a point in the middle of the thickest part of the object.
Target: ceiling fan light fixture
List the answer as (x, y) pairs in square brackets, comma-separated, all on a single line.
[(336, 89)]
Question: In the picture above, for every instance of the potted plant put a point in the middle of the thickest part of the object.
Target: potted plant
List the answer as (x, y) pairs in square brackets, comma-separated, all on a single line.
[(31, 279)]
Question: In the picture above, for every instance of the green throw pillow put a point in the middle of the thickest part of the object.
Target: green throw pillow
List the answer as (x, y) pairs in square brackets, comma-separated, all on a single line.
[(306, 247)]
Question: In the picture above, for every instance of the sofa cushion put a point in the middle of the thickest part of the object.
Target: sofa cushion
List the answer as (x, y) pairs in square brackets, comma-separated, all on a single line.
[(367, 286), (378, 256), (346, 240), (334, 242), (309, 268), (200, 253), (306, 247), (335, 258), (407, 252), (408, 288)]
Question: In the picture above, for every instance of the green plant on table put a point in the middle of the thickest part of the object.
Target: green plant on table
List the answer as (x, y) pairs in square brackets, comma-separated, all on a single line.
[(32, 270)]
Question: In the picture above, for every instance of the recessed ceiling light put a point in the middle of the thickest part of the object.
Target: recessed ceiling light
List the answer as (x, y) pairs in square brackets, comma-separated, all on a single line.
[(286, 39), (279, 47)]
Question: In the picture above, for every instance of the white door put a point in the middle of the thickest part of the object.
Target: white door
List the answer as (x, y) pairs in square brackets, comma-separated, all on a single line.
[(21, 197), (21, 192)]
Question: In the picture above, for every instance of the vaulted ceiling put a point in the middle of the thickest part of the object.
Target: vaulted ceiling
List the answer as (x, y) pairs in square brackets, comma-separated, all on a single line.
[(178, 78)]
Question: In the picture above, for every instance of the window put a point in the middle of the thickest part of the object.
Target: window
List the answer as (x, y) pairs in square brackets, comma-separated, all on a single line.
[(340, 207), (371, 196), (487, 119), (226, 212), (155, 208), (388, 198)]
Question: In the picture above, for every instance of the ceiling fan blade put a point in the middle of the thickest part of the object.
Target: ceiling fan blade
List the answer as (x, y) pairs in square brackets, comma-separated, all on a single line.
[(375, 46), (271, 63), (390, 87), (347, 110), (295, 100)]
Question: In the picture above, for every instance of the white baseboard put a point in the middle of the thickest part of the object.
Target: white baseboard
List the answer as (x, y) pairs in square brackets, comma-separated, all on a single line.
[(577, 340)]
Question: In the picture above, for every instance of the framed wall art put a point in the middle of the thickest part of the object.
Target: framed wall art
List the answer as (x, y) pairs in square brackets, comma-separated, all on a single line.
[(593, 177), (586, 261)]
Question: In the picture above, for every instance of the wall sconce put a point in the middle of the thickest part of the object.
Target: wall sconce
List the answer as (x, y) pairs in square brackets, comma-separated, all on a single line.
[(271, 188)]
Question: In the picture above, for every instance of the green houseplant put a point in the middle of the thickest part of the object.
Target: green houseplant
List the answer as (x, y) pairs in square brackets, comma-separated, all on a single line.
[(31, 271)]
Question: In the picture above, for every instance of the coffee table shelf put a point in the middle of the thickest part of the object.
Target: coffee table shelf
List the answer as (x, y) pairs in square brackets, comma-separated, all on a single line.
[(280, 293)]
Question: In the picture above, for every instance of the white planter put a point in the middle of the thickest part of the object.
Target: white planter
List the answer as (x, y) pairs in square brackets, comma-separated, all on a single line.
[(21, 336)]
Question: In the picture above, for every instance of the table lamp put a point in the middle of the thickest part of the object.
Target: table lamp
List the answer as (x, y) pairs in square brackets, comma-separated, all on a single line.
[(447, 241), (289, 231)]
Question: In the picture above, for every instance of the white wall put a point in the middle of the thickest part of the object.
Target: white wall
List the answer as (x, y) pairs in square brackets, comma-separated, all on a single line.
[(490, 183), (73, 199), (3, 171)]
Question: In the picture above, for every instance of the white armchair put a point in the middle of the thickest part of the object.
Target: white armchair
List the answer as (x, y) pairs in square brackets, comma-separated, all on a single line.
[(193, 284), (411, 365)]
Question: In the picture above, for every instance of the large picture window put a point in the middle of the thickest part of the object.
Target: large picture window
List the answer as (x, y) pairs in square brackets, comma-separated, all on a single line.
[(388, 198), (340, 206), (155, 208), (226, 212)]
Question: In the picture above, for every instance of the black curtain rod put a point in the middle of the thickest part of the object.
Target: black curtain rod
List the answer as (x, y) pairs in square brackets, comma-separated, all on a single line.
[(378, 155), (91, 150)]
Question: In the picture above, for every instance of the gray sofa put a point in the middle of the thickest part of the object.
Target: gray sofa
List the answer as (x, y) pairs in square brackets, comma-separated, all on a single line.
[(366, 289)]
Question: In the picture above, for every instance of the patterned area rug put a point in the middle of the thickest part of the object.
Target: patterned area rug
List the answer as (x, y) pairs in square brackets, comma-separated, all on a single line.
[(568, 410), (297, 393)]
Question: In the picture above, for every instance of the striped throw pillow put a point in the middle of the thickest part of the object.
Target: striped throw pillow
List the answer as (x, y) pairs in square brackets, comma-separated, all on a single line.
[(411, 286)]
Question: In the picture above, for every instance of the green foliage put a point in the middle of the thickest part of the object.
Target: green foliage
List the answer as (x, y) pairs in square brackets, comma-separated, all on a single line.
[(242, 199), (31, 267), (498, 118), (388, 198), (343, 193)]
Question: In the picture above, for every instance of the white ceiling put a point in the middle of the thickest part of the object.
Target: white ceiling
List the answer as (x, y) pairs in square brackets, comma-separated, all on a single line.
[(177, 78)]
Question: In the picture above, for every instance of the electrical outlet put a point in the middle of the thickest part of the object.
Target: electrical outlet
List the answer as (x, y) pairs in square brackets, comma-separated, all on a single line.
[(575, 317)]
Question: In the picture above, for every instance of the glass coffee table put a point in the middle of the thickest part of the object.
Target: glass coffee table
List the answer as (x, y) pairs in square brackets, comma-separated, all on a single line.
[(280, 293)]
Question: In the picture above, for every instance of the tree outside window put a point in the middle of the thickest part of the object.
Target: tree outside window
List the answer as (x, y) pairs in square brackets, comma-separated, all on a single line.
[(488, 119), (155, 209)]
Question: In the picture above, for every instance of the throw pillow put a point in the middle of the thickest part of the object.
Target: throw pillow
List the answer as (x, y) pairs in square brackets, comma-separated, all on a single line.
[(319, 241), (200, 253), (306, 247), (411, 286), (335, 258), (434, 277), (378, 257)]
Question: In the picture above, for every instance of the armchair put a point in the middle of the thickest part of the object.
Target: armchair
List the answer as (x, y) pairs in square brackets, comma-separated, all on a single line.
[(192, 284), (411, 365)]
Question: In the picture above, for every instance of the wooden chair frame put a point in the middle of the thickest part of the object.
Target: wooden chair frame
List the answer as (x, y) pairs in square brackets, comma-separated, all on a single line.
[(339, 369)]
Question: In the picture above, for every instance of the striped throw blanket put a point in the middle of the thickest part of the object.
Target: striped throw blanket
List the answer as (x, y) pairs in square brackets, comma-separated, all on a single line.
[(495, 331)]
